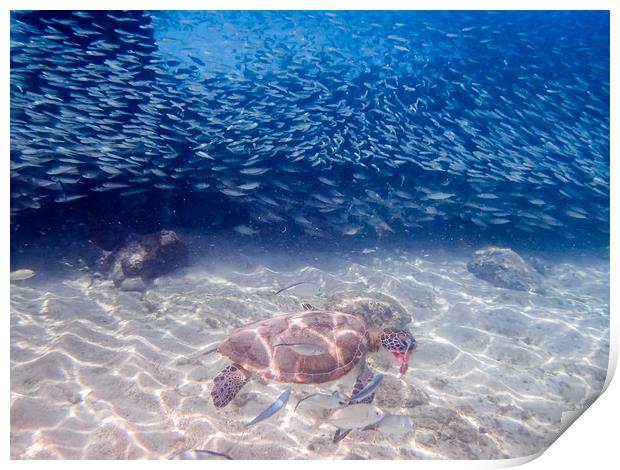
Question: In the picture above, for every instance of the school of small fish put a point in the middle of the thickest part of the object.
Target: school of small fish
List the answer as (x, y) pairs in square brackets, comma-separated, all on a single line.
[(320, 123)]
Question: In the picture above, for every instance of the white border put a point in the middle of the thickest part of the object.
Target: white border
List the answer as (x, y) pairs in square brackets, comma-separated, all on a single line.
[(591, 441)]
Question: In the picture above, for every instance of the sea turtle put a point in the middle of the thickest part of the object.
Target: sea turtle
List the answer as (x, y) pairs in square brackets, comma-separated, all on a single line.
[(266, 348)]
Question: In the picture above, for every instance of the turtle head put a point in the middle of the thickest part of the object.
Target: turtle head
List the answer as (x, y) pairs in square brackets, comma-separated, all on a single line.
[(401, 344)]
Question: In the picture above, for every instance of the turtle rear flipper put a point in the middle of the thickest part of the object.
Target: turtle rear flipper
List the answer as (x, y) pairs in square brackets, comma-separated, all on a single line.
[(227, 384)]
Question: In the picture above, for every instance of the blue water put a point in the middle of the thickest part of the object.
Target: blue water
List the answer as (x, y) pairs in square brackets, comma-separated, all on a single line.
[(443, 126)]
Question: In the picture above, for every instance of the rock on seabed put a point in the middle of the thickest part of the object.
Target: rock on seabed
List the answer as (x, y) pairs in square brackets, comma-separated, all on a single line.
[(146, 258), (502, 267)]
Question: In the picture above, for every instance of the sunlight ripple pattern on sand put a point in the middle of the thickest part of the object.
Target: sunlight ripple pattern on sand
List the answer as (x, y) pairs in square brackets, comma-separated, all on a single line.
[(100, 373)]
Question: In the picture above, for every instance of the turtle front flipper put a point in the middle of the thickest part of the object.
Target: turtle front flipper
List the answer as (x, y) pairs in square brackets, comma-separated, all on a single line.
[(227, 384), (363, 378)]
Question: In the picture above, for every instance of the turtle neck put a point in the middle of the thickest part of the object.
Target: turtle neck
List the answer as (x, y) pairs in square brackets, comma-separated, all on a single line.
[(374, 339)]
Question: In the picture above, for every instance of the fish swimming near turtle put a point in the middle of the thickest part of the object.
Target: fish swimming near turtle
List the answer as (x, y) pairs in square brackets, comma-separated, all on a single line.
[(345, 338), (356, 416), (201, 454), (305, 349), (323, 400), (393, 424), (365, 380), (272, 409), (367, 390)]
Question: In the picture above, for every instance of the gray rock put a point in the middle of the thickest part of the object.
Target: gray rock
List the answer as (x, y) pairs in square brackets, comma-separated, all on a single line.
[(502, 267), (146, 257), (133, 284), (133, 260), (377, 309)]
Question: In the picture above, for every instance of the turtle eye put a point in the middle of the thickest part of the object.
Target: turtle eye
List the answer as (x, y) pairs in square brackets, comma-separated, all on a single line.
[(408, 344)]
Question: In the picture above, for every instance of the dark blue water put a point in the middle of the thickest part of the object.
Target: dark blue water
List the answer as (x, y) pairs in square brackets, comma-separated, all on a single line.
[(313, 127)]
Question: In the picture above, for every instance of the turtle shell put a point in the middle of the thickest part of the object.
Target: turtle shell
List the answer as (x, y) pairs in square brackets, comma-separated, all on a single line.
[(375, 308), (342, 336)]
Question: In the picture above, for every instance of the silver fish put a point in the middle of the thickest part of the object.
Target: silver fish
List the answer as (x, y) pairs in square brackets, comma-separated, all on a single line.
[(232, 192), (249, 186), (324, 400), (22, 274), (305, 349), (68, 198), (439, 196), (356, 416), (254, 171), (288, 287), (393, 424), (364, 377), (368, 389), (303, 289), (273, 408), (200, 454)]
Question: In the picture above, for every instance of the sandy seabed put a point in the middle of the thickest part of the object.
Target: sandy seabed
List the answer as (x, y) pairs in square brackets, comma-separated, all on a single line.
[(98, 373)]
